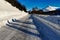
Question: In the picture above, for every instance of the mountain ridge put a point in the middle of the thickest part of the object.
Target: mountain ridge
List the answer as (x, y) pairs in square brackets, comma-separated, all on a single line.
[(50, 8)]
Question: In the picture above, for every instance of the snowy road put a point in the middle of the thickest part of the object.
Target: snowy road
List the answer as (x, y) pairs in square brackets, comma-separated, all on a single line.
[(54, 26), (32, 28), (23, 29), (48, 30)]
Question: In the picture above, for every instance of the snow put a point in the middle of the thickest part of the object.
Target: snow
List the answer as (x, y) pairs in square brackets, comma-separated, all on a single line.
[(54, 19), (50, 8), (49, 22), (45, 30), (8, 12), (11, 15)]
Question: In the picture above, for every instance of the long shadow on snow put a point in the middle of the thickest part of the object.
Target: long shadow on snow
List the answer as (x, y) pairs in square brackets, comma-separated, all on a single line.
[(55, 20), (25, 26), (23, 30), (14, 20), (46, 33)]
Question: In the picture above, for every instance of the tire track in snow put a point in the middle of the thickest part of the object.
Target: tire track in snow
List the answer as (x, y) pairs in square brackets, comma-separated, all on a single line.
[(50, 24)]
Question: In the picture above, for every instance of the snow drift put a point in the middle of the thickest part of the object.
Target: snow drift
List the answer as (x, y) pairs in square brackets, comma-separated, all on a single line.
[(8, 12)]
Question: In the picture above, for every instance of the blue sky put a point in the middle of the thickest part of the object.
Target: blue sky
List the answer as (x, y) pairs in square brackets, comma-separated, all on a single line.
[(39, 3)]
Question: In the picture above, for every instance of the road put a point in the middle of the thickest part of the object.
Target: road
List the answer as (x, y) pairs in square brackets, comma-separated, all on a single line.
[(32, 28), (47, 30), (19, 30)]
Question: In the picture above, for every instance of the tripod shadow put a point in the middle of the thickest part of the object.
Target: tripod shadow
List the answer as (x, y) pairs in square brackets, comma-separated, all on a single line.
[(25, 26), (45, 32), (20, 21), (17, 27), (23, 30)]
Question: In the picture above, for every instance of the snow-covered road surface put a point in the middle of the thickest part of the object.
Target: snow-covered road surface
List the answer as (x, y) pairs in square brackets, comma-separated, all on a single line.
[(22, 29), (29, 28), (52, 18), (46, 29), (51, 24)]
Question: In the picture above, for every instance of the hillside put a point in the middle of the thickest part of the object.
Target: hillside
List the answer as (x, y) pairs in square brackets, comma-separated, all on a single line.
[(7, 12)]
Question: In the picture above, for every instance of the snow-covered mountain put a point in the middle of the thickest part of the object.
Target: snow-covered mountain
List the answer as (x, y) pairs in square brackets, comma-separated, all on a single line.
[(50, 8)]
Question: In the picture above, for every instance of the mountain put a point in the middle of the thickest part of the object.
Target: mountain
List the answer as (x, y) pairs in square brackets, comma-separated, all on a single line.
[(50, 8), (58, 9)]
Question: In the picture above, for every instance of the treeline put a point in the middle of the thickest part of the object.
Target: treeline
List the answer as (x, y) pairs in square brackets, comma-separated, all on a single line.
[(40, 11), (17, 4)]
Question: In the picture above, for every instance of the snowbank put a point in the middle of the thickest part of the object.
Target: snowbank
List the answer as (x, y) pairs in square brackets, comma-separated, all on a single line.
[(4, 16), (8, 12)]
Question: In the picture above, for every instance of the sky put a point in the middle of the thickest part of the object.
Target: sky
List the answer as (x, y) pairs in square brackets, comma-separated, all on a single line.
[(29, 4)]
